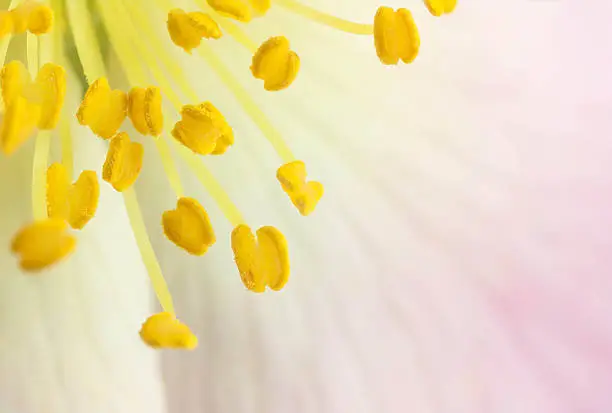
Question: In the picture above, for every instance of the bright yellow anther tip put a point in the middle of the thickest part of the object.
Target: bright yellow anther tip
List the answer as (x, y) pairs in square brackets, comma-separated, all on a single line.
[(234, 9), (439, 7), (305, 195), (77, 203), (145, 110), (275, 64), (395, 36), (51, 83), (187, 29), (261, 261), (203, 129), (164, 331), (123, 162), (40, 19), (189, 227), (103, 109), (6, 23), (42, 244)]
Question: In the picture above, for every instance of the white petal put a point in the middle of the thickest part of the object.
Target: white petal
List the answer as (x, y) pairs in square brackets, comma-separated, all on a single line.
[(69, 336), (459, 261)]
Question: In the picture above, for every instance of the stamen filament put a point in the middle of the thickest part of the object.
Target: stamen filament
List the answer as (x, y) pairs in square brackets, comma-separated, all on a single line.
[(213, 187), (146, 251), (66, 143), (326, 19), (230, 28), (41, 145), (93, 68), (248, 104), (6, 41), (84, 36)]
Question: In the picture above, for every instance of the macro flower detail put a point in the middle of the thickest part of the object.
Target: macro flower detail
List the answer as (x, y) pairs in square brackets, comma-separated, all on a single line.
[(103, 109), (34, 17), (275, 64), (395, 36), (262, 258), (76, 203), (262, 261), (203, 129), (162, 330), (440, 7), (42, 244), (188, 29), (304, 195), (145, 110), (123, 162), (29, 105), (188, 226)]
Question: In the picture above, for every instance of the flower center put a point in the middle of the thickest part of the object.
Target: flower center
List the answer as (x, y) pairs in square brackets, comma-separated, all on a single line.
[(33, 98)]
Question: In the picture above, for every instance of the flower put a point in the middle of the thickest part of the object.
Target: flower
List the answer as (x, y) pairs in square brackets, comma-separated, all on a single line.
[(359, 316)]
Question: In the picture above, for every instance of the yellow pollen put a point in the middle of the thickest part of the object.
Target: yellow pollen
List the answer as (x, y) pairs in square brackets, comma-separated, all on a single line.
[(83, 199), (51, 84), (20, 119), (395, 36), (440, 7), (6, 23), (123, 162), (187, 29), (260, 6), (103, 109), (188, 226), (203, 129), (40, 20), (76, 204), (14, 79), (304, 195), (31, 16), (42, 244), (162, 330), (275, 64), (263, 261), (235, 9), (145, 110), (58, 185)]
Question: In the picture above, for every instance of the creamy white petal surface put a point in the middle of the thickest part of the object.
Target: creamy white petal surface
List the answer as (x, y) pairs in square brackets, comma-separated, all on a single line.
[(459, 261), (69, 336)]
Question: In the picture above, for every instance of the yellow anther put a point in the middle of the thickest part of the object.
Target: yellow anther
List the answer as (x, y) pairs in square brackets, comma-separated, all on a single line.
[(40, 19), (76, 204), (6, 23), (203, 129), (145, 110), (440, 7), (260, 6), (188, 226), (304, 195), (83, 199), (34, 17), (263, 261), (51, 85), (236, 9), (42, 244), (162, 330), (103, 109), (123, 162), (58, 187), (20, 119), (395, 36), (275, 64), (14, 79), (187, 29)]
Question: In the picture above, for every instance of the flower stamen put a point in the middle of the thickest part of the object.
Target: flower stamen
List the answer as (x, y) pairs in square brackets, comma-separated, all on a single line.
[(189, 227), (305, 195), (188, 29), (163, 330)]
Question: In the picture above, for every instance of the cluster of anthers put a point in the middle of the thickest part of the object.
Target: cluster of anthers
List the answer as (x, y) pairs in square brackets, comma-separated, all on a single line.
[(33, 98)]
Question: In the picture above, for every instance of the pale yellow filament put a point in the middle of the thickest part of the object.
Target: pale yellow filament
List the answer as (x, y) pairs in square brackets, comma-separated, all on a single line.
[(326, 19), (93, 68)]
